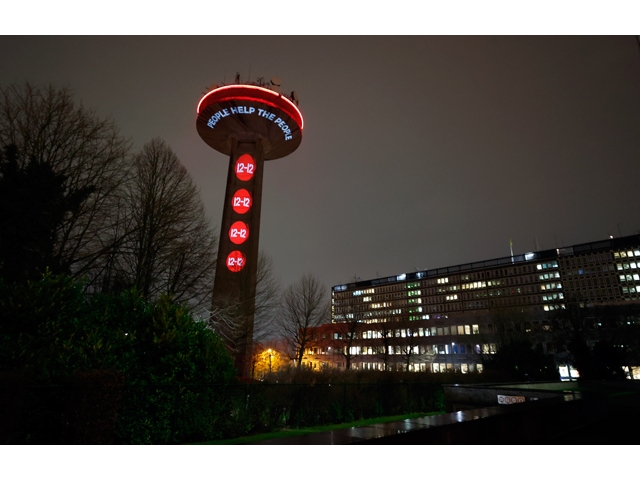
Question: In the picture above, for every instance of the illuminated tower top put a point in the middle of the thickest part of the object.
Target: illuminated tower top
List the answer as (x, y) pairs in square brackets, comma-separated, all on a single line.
[(250, 113)]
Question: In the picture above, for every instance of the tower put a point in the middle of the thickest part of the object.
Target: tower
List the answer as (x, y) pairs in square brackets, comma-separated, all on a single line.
[(251, 123)]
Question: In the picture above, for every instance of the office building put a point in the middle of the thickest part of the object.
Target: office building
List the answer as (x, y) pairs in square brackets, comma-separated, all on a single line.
[(449, 319)]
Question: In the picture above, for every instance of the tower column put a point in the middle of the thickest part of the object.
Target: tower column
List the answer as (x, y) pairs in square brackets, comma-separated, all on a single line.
[(237, 265)]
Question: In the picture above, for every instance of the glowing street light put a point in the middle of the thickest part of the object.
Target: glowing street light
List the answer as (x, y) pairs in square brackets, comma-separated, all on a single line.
[(270, 352)]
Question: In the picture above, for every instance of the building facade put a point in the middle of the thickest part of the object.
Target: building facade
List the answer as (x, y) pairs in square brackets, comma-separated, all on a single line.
[(449, 319)]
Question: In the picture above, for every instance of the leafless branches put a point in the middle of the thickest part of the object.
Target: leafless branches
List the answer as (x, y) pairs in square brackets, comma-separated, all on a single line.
[(229, 319), (348, 331), (304, 305), (169, 245), (46, 126)]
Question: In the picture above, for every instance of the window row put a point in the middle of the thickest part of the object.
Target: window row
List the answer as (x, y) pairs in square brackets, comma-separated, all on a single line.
[(417, 332), (441, 349), (627, 253)]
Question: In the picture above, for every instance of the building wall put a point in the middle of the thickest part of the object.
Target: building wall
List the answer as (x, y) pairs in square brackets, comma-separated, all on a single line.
[(448, 318)]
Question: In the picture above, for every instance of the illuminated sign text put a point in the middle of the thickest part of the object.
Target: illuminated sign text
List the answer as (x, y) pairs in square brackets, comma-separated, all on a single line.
[(236, 261), (243, 110), (241, 201), (245, 167), (239, 232)]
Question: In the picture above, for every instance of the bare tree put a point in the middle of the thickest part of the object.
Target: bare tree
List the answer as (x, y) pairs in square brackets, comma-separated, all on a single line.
[(268, 293), (385, 333), (411, 348), (125, 222), (170, 246), (47, 127), (347, 328), (304, 306), (229, 319)]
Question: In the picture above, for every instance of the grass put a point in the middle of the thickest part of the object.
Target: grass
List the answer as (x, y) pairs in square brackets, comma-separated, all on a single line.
[(322, 428)]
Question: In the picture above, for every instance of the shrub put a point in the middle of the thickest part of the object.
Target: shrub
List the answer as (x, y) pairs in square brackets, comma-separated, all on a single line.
[(109, 368)]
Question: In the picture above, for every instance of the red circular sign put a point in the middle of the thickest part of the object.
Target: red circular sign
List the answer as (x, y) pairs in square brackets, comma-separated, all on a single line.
[(245, 167), (239, 233), (236, 261), (241, 201)]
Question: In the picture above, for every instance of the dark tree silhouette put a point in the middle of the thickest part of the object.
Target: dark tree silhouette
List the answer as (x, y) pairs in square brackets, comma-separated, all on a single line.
[(83, 160), (521, 360), (33, 204)]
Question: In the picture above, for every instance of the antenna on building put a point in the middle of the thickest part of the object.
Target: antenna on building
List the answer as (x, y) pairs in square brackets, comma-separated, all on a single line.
[(511, 249)]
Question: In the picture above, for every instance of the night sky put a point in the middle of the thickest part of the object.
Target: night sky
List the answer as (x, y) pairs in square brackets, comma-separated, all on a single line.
[(417, 153)]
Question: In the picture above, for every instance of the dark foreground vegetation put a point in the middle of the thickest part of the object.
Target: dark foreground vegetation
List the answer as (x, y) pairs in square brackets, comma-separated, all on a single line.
[(106, 368), (78, 369), (96, 407)]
